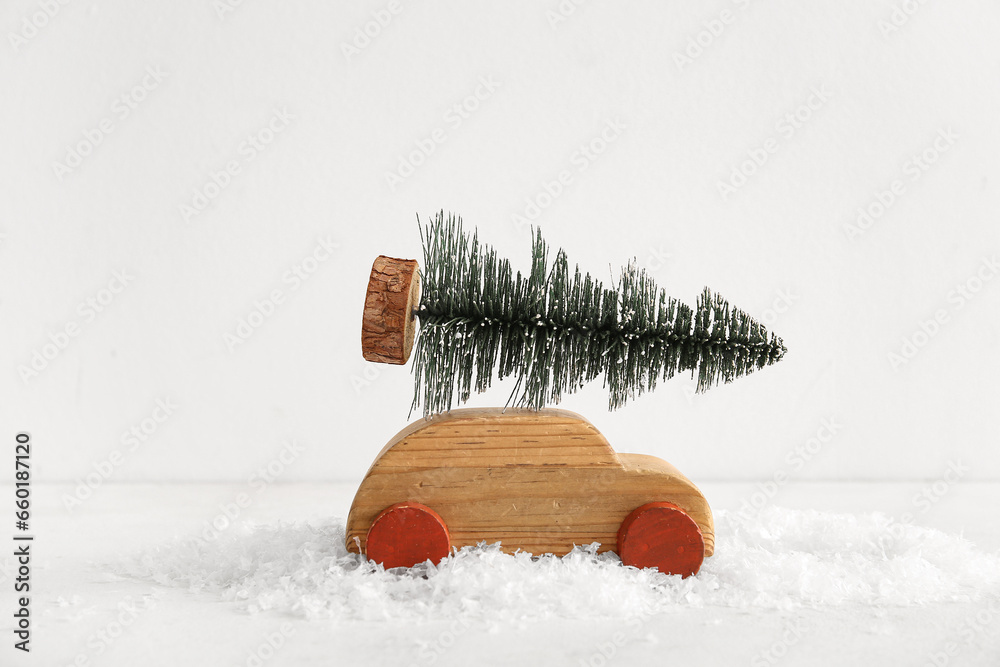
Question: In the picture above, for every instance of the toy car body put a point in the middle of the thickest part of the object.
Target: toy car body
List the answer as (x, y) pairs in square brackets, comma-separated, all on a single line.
[(537, 481)]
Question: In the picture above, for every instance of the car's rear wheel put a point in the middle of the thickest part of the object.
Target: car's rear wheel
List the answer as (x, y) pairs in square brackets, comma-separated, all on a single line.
[(405, 534), (663, 536)]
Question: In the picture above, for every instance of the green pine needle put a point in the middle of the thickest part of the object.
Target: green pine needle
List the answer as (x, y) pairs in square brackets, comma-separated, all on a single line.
[(555, 329)]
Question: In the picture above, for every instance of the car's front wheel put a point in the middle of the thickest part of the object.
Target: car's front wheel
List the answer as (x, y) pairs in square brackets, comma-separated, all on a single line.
[(661, 535)]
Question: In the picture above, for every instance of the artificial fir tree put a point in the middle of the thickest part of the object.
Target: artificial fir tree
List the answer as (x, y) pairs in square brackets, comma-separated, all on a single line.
[(556, 329)]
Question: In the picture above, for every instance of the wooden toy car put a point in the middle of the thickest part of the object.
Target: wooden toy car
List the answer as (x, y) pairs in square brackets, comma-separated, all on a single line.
[(537, 481)]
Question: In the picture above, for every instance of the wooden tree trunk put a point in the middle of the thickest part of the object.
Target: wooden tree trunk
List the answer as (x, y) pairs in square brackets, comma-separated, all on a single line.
[(389, 325)]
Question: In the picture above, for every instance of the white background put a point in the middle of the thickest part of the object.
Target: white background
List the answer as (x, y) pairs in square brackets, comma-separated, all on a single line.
[(777, 247)]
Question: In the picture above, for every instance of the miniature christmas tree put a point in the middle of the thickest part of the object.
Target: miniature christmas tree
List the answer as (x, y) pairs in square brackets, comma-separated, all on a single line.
[(554, 329)]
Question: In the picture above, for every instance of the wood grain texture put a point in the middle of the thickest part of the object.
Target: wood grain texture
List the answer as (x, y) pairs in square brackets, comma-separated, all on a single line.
[(388, 325), (540, 481)]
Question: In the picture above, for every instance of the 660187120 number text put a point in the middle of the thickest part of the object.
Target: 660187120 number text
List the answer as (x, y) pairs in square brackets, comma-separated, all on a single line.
[(22, 541)]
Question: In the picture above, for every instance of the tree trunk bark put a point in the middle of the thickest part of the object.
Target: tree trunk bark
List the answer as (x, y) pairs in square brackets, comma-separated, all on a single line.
[(389, 325)]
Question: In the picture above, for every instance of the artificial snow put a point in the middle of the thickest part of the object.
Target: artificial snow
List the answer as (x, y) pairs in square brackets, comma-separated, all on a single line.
[(779, 559)]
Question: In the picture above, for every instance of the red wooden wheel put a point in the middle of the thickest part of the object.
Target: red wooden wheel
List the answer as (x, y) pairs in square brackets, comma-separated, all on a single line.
[(663, 536), (405, 534)]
